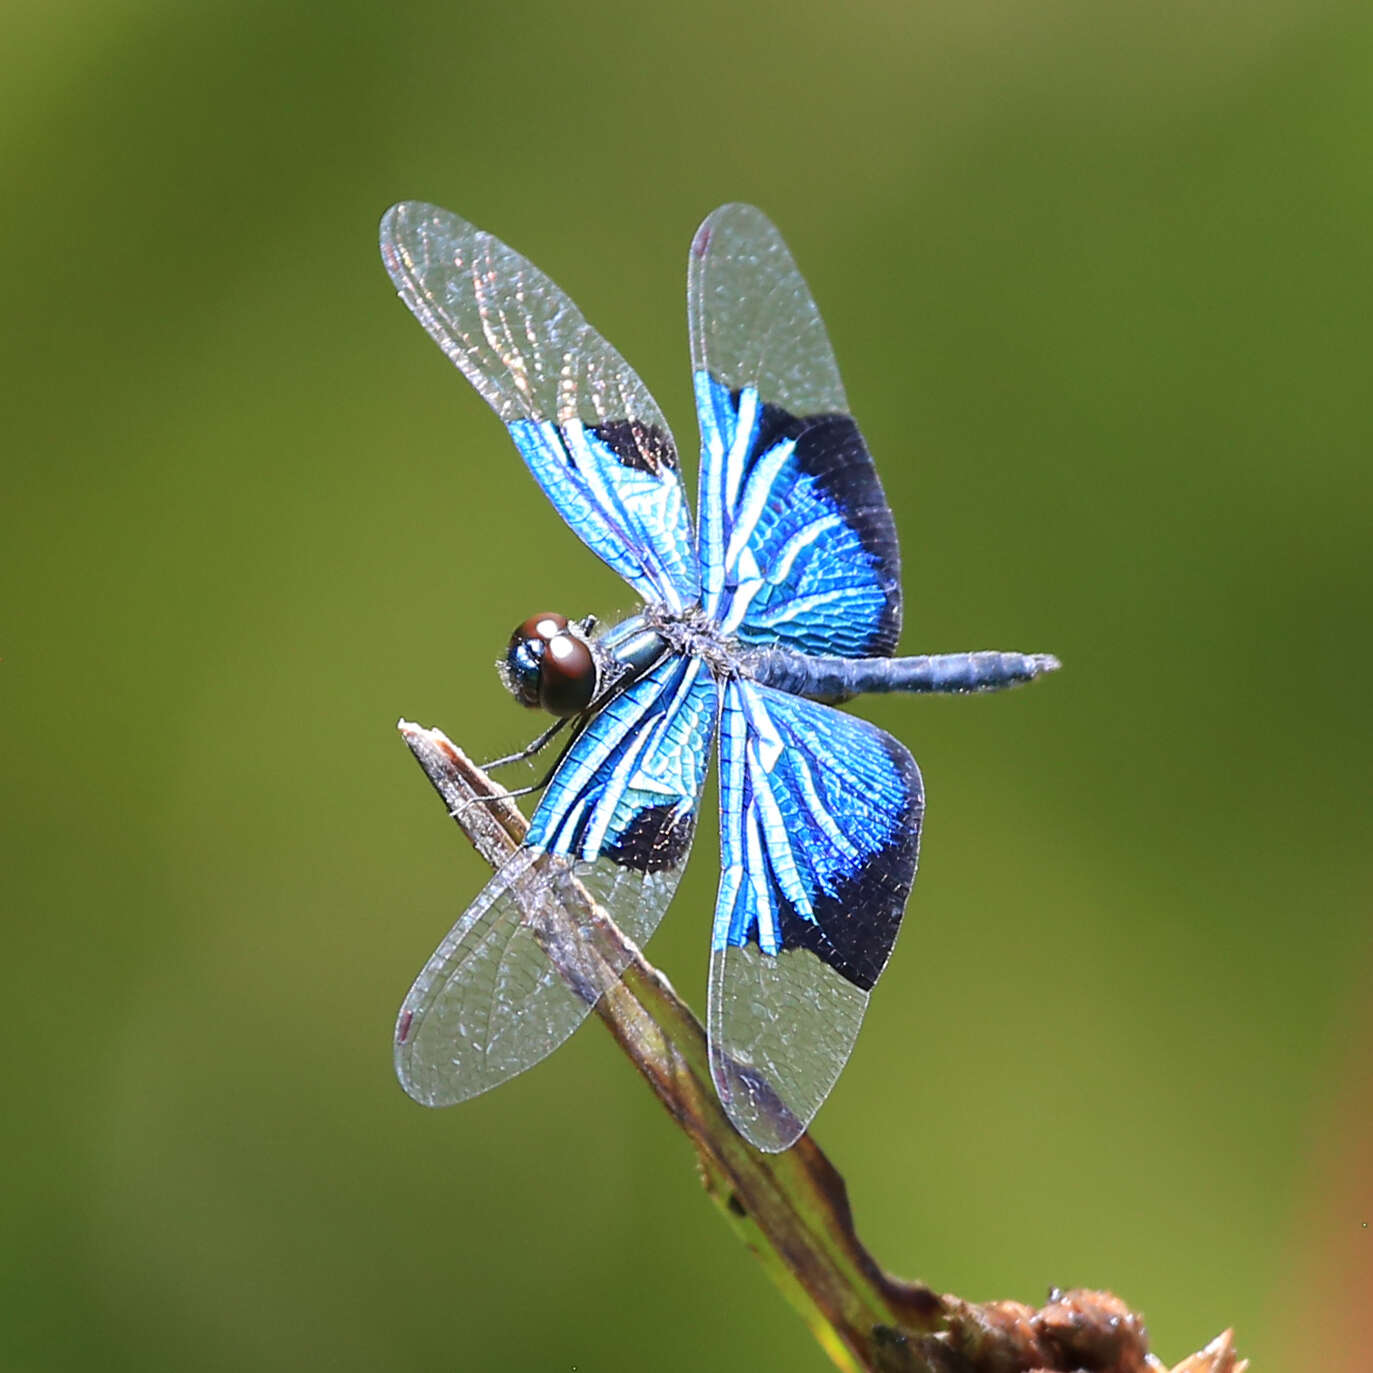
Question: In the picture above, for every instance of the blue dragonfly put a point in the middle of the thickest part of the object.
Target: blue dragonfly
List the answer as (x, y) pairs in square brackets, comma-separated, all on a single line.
[(785, 601)]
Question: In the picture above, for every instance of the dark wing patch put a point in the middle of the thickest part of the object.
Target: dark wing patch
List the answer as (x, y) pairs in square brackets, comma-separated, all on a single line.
[(642, 446), (656, 839)]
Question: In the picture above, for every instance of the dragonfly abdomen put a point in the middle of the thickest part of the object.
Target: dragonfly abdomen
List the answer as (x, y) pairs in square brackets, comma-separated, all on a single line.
[(836, 679)]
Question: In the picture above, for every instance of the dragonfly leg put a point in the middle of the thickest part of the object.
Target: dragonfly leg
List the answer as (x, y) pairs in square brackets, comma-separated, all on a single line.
[(533, 786), (528, 751)]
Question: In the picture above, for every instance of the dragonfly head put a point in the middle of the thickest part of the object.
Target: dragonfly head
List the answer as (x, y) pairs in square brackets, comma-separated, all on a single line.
[(549, 665)]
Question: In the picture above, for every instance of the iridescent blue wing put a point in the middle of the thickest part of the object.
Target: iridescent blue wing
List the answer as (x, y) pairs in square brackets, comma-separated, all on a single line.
[(819, 835), (585, 424), (520, 971), (797, 544)]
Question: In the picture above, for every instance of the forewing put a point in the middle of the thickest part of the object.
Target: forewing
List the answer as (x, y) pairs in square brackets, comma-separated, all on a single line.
[(524, 966), (819, 835), (797, 543), (585, 424)]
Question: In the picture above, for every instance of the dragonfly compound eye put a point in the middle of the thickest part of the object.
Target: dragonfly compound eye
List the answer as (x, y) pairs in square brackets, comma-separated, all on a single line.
[(550, 666)]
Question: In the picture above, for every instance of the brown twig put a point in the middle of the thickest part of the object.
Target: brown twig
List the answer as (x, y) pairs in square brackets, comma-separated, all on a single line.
[(792, 1209)]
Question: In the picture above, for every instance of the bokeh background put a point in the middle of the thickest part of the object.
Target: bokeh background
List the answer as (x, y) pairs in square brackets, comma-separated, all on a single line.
[(1099, 279)]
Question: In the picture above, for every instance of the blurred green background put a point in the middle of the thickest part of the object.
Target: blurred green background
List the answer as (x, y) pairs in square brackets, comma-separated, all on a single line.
[(1099, 279)]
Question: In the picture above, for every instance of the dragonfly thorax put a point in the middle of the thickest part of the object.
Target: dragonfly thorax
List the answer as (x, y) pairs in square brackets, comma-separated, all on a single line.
[(549, 665), (695, 633)]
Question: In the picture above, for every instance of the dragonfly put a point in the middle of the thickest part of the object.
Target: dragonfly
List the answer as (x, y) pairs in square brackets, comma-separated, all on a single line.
[(784, 601)]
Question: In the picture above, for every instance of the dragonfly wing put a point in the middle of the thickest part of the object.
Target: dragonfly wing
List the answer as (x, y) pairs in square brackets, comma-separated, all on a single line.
[(525, 964), (819, 836), (587, 427), (797, 544)]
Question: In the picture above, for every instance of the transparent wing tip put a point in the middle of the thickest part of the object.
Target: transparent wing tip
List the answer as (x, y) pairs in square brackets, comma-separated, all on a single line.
[(408, 224), (422, 1088), (404, 210), (394, 219), (754, 1107)]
